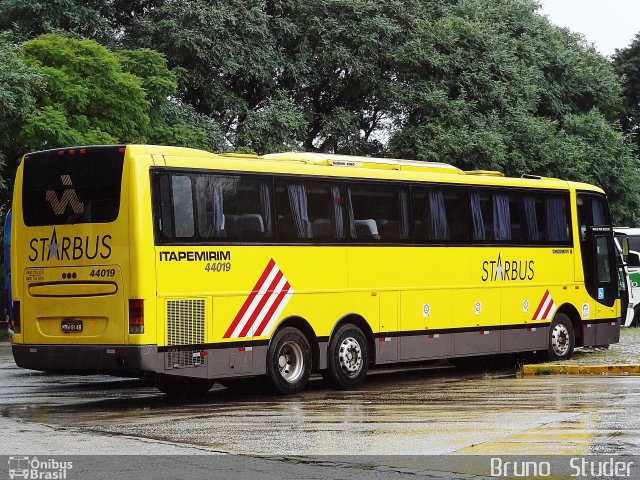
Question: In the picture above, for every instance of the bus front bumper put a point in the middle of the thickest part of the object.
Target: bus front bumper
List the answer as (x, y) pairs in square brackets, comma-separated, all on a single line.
[(121, 360)]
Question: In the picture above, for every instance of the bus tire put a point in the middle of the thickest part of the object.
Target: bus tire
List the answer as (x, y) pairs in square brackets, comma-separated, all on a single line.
[(562, 338), (348, 358), (183, 387), (289, 361)]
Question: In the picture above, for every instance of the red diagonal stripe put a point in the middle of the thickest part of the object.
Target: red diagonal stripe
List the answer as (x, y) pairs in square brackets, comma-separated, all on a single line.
[(260, 306), (272, 310), (250, 298), (546, 312), (544, 298)]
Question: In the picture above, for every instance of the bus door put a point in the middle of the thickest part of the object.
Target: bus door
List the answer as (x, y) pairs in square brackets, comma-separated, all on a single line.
[(605, 274), (624, 281)]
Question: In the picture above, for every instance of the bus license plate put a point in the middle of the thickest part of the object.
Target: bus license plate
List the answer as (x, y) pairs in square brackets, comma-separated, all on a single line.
[(71, 326)]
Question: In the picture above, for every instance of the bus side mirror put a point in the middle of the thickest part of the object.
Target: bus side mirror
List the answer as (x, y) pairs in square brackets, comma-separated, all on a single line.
[(625, 248)]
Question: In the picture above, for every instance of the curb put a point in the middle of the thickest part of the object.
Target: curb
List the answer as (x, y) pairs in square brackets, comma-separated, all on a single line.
[(629, 369)]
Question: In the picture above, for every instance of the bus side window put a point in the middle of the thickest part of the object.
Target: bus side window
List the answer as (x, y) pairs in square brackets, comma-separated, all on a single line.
[(309, 211), (533, 218), (379, 213), (501, 206), (482, 216), (210, 206), (557, 215), (182, 195), (234, 208), (165, 222), (430, 216)]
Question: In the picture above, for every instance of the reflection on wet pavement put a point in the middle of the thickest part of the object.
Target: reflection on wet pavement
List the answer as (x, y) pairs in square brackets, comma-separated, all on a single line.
[(422, 411)]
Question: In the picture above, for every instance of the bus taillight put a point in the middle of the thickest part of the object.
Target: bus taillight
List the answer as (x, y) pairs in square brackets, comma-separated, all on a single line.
[(16, 317), (136, 316)]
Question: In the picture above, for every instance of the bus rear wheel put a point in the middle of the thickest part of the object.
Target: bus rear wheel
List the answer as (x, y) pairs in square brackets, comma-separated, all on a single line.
[(562, 339), (289, 361), (348, 360), (183, 387)]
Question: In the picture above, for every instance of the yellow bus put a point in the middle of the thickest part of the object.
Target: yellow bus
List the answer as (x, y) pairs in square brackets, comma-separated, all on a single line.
[(193, 267)]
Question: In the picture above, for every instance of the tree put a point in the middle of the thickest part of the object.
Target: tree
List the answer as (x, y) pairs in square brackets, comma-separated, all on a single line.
[(88, 99), (446, 80), (227, 48), (83, 19), (19, 85), (503, 89), (627, 63), (171, 121)]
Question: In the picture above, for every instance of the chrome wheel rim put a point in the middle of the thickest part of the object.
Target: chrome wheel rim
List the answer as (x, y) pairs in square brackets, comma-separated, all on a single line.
[(290, 362), (560, 340), (350, 356)]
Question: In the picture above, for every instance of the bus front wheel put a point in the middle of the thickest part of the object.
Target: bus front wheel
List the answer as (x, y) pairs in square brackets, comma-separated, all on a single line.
[(289, 361), (348, 359), (562, 339)]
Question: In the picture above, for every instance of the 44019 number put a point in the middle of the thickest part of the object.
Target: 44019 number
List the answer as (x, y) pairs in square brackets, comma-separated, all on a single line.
[(218, 267), (103, 272)]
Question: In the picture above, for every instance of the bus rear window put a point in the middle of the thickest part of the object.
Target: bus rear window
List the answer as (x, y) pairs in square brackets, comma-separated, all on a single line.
[(69, 186)]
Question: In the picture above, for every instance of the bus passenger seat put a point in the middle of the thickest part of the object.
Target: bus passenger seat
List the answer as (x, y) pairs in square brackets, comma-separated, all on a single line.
[(390, 230), (231, 225), (367, 229), (322, 228), (251, 222)]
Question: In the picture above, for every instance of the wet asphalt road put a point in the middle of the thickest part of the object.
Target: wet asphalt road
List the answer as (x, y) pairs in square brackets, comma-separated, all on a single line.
[(423, 411)]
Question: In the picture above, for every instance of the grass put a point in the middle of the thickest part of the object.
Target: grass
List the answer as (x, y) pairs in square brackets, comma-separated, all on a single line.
[(630, 333), (545, 370)]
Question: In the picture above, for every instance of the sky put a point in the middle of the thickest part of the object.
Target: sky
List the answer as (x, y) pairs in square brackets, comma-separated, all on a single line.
[(608, 24)]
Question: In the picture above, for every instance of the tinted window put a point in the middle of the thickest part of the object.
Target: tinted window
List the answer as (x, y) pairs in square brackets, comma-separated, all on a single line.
[(309, 211), (62, 188), (440, 214), (378, 213), (182, 204), (233, 207)]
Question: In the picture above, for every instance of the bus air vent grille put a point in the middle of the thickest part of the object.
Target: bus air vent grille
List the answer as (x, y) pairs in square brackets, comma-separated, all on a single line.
[(184, 358), (185, 322)]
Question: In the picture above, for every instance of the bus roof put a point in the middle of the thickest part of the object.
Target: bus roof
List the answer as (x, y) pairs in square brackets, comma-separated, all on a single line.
[(313, 163)]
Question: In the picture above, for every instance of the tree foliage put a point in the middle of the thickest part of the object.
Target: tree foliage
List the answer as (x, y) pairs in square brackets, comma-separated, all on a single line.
[(88, 97), (446, 80), (83, 19), (627, 64), (503, 89), (18, 86)]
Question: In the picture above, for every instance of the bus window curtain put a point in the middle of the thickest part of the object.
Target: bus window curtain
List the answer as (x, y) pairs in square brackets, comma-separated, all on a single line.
[(352, 218), (501, 217), (598, 211), (531, 219), (338, 217), (216, 202), (298, 201), (265, 199), (476, 215), (438, 224), (556, 219), (405, 223)]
